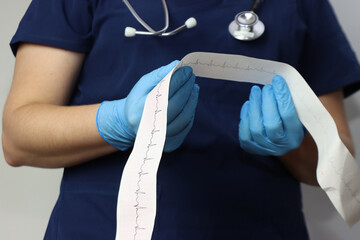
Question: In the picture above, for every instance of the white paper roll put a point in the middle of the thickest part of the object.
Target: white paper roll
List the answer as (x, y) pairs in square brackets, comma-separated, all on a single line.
[(337, 171)]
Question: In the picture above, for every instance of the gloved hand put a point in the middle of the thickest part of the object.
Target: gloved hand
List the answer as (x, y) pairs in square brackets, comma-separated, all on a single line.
[(118, 121), (269, 123)]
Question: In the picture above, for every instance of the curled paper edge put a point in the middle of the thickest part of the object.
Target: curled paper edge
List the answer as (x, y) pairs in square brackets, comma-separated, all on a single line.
[(337, 172)]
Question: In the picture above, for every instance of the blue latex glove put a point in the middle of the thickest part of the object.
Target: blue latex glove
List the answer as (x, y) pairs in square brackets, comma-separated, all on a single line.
[(269, 123), (118, 121)]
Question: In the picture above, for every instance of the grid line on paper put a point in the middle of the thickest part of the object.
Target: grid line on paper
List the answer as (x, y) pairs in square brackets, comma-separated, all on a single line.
[(138, 207), (226, 65)]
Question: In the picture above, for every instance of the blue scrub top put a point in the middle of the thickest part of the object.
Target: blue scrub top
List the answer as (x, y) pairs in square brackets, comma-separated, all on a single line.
[(209, 188)]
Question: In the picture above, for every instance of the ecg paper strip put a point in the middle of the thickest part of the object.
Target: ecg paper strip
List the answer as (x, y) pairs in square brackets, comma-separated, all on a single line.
[(337, 172)]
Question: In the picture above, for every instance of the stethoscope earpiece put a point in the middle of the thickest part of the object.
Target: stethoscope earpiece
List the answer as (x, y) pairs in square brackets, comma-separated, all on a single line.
[(246, 26), (130, 32)]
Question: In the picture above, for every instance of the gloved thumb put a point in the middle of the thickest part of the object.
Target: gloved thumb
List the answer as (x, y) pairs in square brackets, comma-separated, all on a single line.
[(150, 80)]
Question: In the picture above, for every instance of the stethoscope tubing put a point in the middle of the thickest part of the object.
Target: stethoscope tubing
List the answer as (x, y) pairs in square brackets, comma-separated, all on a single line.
[(144, 24), (191, 22), (255, 5)]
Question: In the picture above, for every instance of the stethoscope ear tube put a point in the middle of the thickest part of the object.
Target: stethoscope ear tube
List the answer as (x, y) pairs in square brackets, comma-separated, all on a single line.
[(143, 23), (131, 32), (190, 23)]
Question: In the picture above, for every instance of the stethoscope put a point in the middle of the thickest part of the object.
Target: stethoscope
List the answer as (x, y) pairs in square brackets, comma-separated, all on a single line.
[(245, 27)]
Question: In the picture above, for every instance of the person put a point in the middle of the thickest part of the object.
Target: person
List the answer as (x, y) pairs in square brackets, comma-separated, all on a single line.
[(78, 91)]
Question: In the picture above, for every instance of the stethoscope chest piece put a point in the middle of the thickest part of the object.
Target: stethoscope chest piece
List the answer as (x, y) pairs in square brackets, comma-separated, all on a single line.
[(246, 26)]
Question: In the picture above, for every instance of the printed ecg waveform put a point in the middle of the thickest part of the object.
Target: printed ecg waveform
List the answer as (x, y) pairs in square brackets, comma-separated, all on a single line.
[(138, 206), (227, 65)]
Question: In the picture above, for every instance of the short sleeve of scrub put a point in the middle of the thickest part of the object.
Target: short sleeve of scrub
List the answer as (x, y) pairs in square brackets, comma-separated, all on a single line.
[(58, 23), (327, 61)]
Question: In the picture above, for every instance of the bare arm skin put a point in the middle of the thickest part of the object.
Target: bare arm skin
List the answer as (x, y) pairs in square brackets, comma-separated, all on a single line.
[(302, 161), (38, 129)]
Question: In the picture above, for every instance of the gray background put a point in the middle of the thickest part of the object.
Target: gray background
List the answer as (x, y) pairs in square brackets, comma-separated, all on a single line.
[(27, 195)]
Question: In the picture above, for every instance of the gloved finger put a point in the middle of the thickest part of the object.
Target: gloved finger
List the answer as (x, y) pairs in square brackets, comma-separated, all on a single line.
[(244, 130), (180, 98), (186, 115), (254, 148), (245, 137), (133, 110), (164, 70), (150, 80), (255, 115), (174, 142), (271, 117), (179, 79), (286, 107)]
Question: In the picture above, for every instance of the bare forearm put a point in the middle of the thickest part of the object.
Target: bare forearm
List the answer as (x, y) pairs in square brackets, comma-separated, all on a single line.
[(302, 162), (46, 135)]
